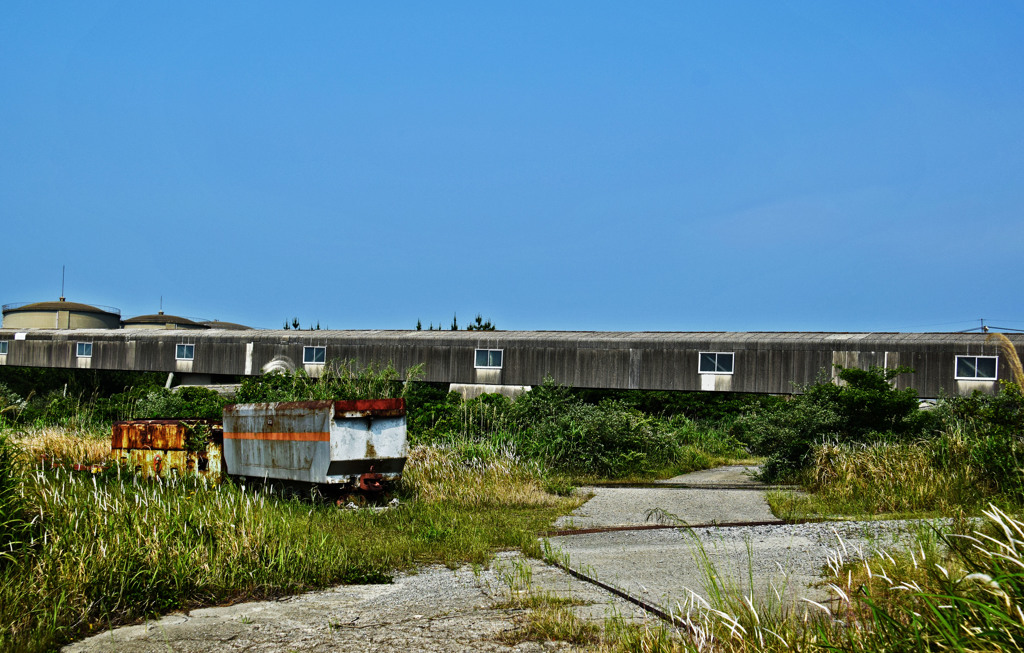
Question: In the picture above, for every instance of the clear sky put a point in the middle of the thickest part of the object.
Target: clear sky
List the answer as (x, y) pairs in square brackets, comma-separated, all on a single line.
[(662, 166)]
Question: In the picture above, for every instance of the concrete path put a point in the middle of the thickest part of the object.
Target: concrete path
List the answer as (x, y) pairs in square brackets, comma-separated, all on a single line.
[(729, 475), (435, 609), (664, 566), (613, 506)]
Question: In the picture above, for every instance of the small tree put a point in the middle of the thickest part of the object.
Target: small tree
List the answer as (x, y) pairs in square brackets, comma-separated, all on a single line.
[(479, 324)]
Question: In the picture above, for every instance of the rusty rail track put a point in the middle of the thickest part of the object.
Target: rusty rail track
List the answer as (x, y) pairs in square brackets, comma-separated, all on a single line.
[(695, 486), (626, 596), (655, 527)]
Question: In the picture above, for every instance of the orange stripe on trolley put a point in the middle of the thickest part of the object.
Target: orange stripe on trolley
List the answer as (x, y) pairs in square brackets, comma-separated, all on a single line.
[(320, 436)]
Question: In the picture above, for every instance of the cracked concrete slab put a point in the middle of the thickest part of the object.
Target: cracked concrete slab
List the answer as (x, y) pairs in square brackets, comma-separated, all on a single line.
[(624, 506), (435, 609)]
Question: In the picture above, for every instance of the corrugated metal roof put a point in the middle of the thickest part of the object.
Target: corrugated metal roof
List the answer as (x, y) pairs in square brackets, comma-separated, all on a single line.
[(584, 339)]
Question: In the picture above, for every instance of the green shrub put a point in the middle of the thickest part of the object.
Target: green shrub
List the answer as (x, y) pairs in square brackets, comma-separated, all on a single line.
[(1003, 411), (11, 405), (75, 398), (339, 380), (160, 403), (554, 427), (865, 407), (992, 428), (40, 381), (707, 407), (59, 408), (426, 404), (786, 433), (970, 454)]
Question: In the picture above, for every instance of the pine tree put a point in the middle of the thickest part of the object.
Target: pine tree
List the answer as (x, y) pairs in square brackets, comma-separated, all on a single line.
[(480, 324)]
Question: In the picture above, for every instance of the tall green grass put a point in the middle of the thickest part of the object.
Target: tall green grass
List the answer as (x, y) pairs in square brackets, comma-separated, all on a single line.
[(965, 595), (965, 467), (96, 550)]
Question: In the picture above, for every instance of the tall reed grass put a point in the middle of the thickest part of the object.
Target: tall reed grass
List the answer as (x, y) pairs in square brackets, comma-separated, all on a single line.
[(486, 476), (958, 471), (64, 445)]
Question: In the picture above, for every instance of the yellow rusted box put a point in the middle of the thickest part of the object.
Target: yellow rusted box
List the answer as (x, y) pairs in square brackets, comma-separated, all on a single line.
[(170, 447)]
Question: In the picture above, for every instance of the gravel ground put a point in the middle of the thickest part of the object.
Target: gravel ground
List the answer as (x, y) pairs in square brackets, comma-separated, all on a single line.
[(436, 609)]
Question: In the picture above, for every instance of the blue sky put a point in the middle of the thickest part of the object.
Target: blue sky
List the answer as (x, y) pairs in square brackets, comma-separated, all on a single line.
[(663, 166)]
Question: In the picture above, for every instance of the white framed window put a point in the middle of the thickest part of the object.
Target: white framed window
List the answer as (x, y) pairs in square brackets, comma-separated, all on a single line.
[(488, 359), (314, 355), (977, 368), (3, 347), (184, 352), (84, 350), (716, 362)]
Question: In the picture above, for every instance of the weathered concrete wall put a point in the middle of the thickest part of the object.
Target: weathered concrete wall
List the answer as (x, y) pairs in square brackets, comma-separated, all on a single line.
[(775, 363)]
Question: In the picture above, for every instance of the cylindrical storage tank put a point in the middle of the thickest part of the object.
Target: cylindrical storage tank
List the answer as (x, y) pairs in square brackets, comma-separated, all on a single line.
[(60, 315), (227, 326), (161, 321)]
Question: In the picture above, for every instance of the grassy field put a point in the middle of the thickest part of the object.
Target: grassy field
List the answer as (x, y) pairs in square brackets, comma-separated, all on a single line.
[(81, 552), (88, 551)]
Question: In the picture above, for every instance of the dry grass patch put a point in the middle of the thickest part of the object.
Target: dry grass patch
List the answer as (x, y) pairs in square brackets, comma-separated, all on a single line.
[(64, 445), (944, 476), (887, 478), (491, 476)]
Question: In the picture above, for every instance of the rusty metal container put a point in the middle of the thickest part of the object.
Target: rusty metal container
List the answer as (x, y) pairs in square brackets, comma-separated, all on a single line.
[(169, 447), (361, 444)]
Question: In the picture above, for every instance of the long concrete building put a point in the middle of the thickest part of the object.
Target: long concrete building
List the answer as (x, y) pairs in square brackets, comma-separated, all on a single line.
[(771, 363)]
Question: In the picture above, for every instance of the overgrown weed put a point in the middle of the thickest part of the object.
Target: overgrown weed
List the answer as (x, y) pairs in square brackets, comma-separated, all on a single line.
[(89, 551)]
